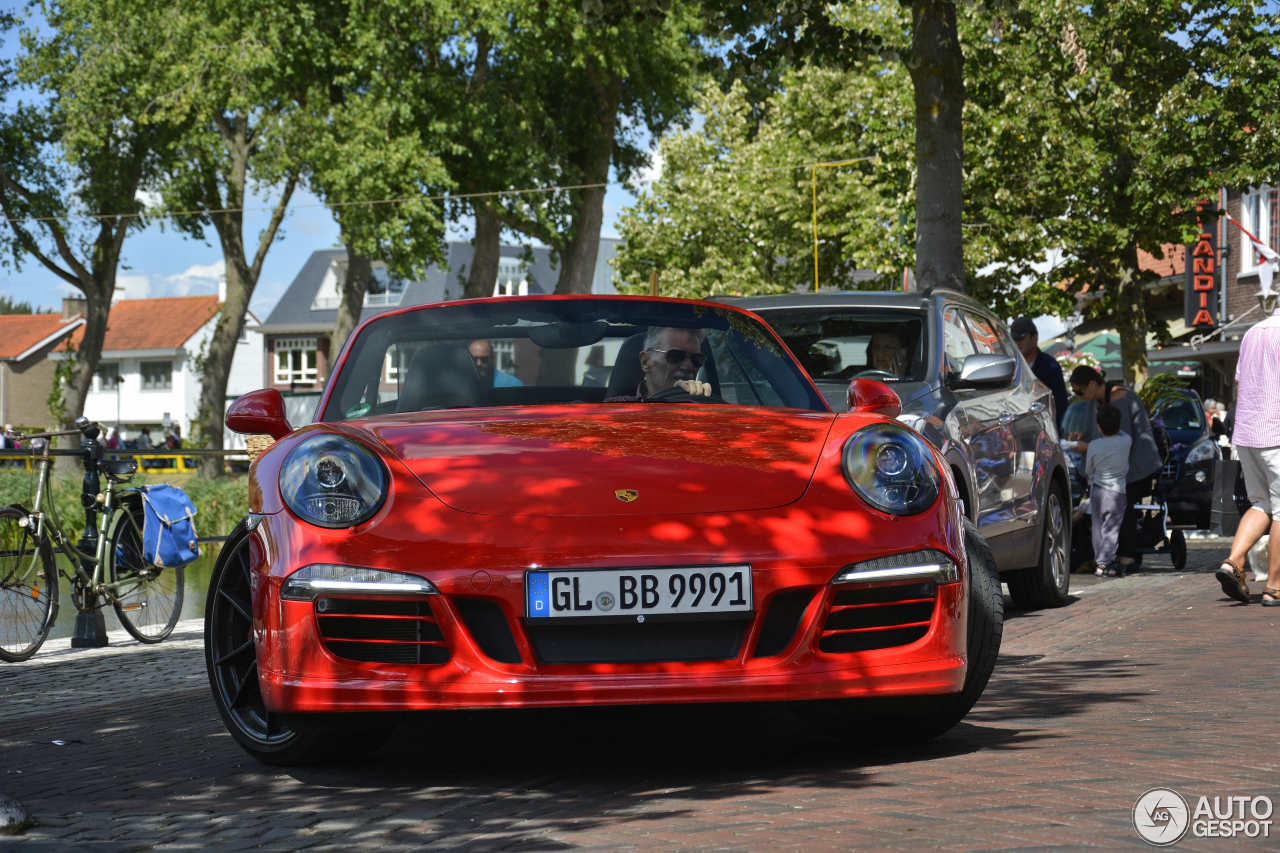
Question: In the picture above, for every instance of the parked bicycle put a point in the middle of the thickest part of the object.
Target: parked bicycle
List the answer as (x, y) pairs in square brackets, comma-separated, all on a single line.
[(146, 598)]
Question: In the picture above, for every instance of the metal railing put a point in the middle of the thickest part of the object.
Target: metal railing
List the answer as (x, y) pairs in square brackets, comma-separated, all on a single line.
[(181, 461)]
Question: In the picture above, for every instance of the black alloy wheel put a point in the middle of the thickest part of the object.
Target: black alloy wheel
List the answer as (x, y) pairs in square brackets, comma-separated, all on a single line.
[(232, 664)]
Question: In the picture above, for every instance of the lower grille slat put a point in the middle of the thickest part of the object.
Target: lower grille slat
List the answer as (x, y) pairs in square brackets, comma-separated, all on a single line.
[(878, 617), (381, 630)]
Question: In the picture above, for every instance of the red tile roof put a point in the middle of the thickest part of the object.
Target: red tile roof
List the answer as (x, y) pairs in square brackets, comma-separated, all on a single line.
[(1173, 261), (20, 332), (164, 323)]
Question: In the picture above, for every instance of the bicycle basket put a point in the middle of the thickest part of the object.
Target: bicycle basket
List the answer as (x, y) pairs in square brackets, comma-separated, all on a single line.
[(168, 526)]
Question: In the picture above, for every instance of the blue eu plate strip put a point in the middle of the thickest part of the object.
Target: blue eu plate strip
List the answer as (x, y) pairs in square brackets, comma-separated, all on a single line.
[(537, 595)]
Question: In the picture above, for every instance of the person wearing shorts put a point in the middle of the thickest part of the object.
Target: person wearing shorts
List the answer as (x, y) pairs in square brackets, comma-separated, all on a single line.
[(1256, 441)]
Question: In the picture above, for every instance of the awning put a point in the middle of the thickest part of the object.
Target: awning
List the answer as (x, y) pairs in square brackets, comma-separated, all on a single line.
[(1210, 349)]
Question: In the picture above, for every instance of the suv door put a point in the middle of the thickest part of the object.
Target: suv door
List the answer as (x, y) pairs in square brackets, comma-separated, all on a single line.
[(979, 414), (1024, 402)]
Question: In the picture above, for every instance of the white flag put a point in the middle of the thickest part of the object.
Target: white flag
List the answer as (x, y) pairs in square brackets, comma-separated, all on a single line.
[(1266, 269)]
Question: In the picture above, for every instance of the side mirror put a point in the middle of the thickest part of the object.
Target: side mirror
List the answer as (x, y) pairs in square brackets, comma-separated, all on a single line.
[(871, 396), (985, 371), (259, 412)]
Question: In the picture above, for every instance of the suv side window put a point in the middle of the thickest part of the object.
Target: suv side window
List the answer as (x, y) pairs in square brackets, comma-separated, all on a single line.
[(985, 335), (956, 343)]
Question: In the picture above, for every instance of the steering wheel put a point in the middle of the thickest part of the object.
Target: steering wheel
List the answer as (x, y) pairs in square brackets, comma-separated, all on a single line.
[(876, 374), (676, 394)]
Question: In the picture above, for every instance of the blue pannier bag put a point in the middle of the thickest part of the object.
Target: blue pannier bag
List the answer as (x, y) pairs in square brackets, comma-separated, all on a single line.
[(168, 526)]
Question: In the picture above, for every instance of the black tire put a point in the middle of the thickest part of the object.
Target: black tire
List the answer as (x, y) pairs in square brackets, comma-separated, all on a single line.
[(932, 716), (1049, 583), (232, 664), (148, 598), (28, 588), (1178, 550)]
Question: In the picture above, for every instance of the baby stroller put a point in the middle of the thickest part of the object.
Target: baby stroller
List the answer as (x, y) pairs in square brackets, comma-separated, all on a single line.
[(1154, 534)]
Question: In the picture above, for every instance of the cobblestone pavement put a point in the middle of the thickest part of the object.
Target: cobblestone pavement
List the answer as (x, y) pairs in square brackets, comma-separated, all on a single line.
[(1152, 680)]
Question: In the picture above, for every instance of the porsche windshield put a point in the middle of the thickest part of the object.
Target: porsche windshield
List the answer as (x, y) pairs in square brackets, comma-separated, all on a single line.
[(540, 351)]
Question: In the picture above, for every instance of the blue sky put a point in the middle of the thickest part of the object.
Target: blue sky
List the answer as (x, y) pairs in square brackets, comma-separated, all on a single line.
[(158, 261)]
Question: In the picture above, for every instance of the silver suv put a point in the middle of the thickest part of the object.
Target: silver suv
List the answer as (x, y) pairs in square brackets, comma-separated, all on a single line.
[(966, 388)]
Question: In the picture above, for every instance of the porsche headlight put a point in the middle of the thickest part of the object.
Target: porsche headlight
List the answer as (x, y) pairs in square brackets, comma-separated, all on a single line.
[(891, 468), (1205, 451), (331, 481)]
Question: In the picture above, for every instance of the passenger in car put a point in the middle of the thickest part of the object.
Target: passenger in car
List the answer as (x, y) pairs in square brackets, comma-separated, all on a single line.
[(487, 369), (885, 352)]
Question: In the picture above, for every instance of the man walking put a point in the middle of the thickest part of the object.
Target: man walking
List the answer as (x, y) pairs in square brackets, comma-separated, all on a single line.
[(1043, 365), (1256, 440)]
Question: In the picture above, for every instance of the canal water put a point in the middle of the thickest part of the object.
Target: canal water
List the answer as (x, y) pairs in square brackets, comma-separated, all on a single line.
[(195, 586)]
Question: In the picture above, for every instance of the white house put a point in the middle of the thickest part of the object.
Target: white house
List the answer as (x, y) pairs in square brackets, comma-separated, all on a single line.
[(148, 376)]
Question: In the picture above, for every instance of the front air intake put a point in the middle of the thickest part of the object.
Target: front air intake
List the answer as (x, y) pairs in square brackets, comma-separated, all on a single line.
[(878, 617), (381, 630)]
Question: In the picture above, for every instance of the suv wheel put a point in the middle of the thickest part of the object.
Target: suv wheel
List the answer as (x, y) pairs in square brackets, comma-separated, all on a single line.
[(1046, 585)]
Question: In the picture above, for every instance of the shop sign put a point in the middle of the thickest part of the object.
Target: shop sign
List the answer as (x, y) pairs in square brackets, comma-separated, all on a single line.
[(1201, 304)]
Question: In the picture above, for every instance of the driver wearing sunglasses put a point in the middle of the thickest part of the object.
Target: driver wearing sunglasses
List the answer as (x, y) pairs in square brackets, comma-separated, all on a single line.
[(671, 359)]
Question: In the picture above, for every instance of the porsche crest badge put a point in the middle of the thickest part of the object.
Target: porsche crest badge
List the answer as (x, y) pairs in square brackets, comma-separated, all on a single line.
[(626, 495)]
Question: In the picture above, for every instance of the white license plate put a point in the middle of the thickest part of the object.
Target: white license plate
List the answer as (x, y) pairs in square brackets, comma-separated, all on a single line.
[(638, 592)]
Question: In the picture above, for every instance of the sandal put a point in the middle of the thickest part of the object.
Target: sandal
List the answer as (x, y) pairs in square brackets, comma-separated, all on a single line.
[(1235, 582), (1271, 596)]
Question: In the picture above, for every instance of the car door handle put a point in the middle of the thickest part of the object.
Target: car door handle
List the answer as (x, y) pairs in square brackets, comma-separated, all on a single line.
[(1037, 407)]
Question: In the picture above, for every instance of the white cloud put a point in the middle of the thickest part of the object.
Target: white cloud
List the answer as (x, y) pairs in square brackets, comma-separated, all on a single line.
[(150, 200), (132, 287), (195, 279), (653, 171)]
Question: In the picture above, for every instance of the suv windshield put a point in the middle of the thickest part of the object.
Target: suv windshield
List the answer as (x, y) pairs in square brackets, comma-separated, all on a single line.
[(838, 344), (1179, 413), (540, 351)]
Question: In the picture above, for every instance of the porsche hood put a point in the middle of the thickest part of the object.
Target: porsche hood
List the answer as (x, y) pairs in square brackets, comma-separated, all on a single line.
[(617, 460)]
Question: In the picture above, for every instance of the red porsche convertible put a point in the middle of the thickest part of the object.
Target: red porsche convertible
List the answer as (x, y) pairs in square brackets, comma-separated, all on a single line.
[(566, 501)]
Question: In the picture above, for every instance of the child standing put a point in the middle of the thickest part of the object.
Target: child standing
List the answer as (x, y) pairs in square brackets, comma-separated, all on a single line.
[(1106, 466)]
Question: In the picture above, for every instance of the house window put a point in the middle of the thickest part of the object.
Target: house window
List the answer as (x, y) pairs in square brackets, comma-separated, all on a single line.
[(1259, 215), (384, 288), (108, 375), (157, 375), (295, 361), (395, 362), (512, 278), (504, 356)]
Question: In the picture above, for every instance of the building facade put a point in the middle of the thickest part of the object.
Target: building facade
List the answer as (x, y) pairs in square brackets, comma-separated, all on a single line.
[(26, 371), (148, 374)]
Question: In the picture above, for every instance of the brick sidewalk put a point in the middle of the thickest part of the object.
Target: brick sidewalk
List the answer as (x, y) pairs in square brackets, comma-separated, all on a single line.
[(1153, 680)]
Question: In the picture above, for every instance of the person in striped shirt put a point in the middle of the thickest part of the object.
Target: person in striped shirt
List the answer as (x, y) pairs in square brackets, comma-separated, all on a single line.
[(1256, 441)]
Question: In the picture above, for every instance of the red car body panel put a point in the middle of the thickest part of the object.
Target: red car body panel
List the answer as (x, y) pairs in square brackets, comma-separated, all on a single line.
[(478, 498)]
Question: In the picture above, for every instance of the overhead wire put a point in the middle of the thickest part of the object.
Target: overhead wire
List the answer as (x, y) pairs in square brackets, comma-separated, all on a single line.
[(425, 197)]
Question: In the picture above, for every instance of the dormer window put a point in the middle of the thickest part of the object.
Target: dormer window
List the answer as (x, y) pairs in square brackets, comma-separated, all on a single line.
[(385, 289), (513, 279)]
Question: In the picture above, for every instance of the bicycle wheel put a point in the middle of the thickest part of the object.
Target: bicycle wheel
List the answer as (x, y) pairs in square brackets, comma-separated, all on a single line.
[(148, 598), (28, 588)]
